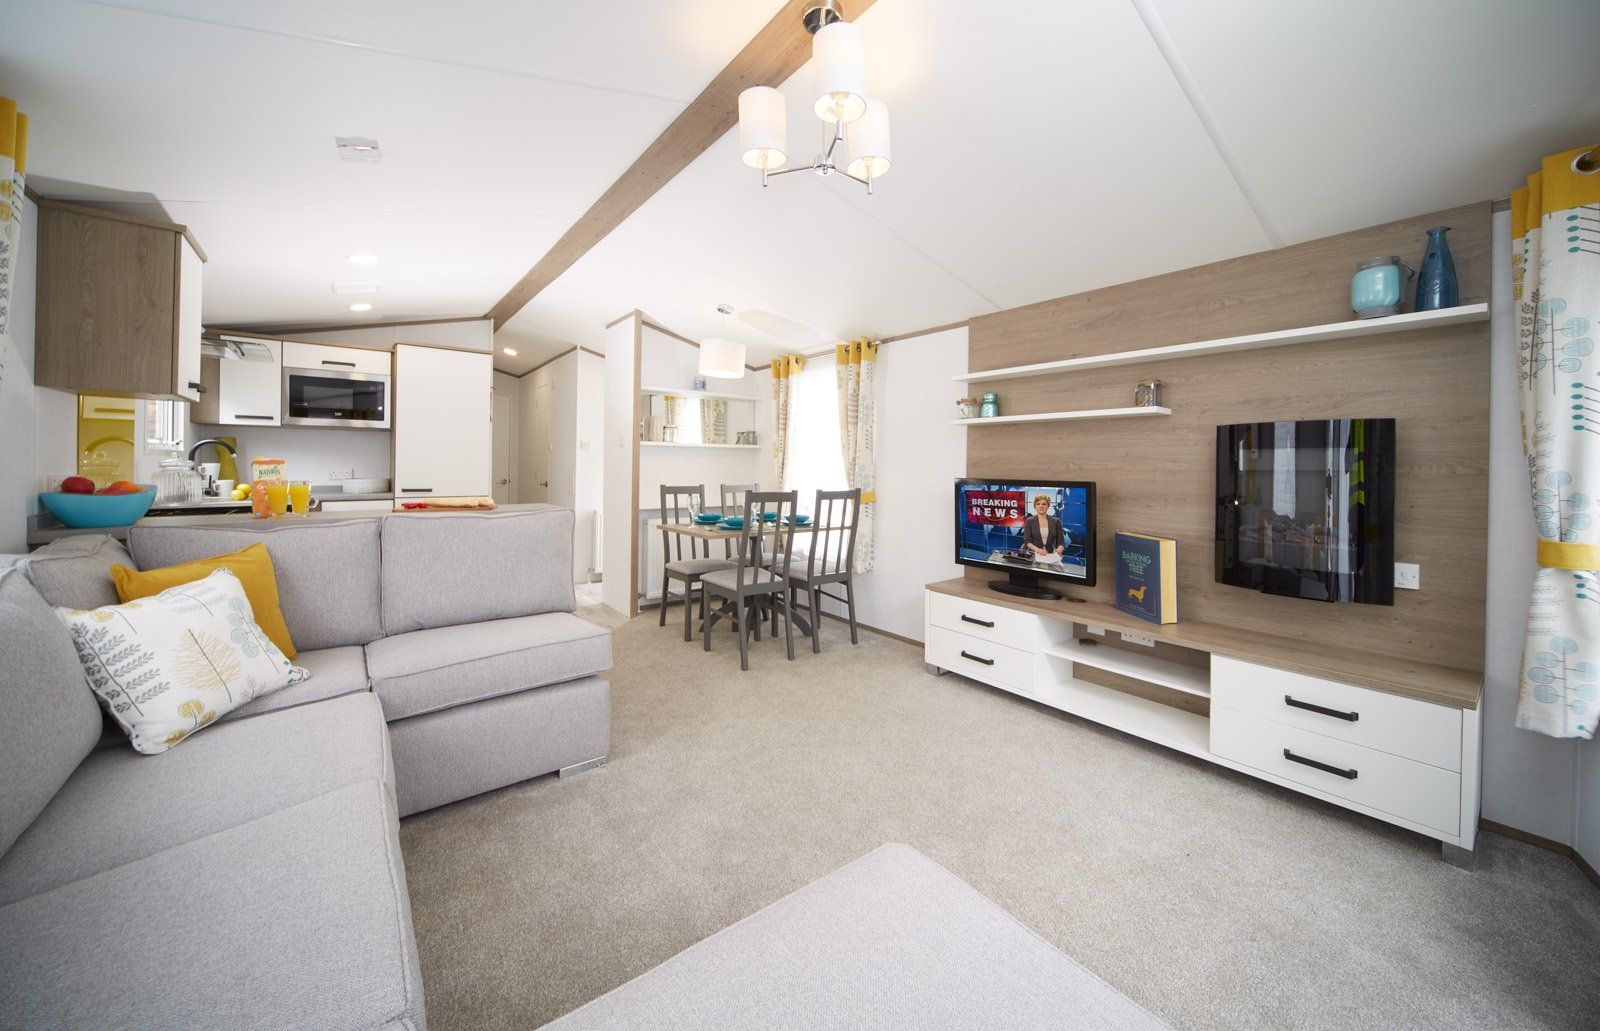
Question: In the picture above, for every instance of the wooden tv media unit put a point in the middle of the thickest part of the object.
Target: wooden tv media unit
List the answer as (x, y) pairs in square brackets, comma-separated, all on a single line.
[(1399, 741)]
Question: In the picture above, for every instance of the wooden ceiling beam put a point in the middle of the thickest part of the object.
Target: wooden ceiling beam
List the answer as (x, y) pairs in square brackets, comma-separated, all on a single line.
[(777, 52)]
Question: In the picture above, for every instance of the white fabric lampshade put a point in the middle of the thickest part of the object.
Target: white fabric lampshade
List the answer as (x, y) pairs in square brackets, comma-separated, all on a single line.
[(763, 127), (839, 51), (721, 359), (867, 142)]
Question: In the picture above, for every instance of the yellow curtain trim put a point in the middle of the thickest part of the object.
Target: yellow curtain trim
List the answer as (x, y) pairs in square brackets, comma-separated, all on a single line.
[(1519, 213), (22, 144), (8, 128), (855, 352), (1565, 187), (869, 497), (1560, 555), (787, 365)]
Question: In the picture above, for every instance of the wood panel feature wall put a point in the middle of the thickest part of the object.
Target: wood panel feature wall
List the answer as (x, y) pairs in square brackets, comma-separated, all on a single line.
[(769, 59), (1159, 475)]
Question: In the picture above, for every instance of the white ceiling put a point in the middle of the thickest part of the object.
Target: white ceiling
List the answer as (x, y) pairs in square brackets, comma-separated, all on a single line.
[(1040, 149)]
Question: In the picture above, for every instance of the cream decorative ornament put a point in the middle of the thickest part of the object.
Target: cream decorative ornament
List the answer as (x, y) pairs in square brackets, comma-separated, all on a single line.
[(13, 169), (1555, 283), (849, 118)]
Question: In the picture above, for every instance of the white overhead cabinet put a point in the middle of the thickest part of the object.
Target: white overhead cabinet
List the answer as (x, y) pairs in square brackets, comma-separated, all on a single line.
[(244, 383), (443, 436)]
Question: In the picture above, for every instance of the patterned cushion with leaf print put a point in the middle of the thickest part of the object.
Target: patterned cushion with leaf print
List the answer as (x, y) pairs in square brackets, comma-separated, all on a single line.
[(168, 665)]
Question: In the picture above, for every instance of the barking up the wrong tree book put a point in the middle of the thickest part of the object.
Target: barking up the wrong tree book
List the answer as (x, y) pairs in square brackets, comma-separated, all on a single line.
[(1147, 576)]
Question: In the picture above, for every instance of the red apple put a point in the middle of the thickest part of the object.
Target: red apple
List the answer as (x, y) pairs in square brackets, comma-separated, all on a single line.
[(77, 485)]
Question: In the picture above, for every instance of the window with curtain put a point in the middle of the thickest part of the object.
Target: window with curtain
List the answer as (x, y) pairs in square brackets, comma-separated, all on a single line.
[(816, 461)]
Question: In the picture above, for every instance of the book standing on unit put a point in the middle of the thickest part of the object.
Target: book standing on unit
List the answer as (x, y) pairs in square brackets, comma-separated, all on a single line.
[(1147, 576)]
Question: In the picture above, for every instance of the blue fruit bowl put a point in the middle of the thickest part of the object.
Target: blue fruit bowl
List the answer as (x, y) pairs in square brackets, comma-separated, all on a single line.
[(707, 518), (92, 511)]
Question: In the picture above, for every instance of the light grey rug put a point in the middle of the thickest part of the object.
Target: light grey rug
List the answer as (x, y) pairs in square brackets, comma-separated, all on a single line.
[(890, 941), (1213, 900)]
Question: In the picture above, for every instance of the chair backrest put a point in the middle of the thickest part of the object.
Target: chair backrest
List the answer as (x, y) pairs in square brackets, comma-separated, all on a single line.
[(833, 542), (733, 496), (761, 536), (678, 505)]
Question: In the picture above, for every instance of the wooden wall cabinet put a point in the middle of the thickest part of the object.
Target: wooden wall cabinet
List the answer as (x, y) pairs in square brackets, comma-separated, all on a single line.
[(443, 436), (118, 304)]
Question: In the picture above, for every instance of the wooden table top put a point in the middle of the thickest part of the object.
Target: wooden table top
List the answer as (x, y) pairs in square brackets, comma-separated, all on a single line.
[(712, 532), (1423, 681)]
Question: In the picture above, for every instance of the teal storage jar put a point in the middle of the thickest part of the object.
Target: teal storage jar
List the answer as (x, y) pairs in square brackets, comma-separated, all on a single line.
[(990, 407), (1377, 287)]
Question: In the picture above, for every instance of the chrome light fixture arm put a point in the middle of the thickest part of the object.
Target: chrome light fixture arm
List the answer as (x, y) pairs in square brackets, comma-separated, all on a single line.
[(823, 164)]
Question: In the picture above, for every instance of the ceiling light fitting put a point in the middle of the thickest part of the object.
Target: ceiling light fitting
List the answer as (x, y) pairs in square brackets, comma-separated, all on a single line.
[(510, 352), (719, 358), (839, 54), (363, 259), (363, 306), (357, 148)]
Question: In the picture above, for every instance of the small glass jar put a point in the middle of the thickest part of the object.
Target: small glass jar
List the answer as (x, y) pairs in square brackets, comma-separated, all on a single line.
[(967, 408), (990, 407), (1377, 287)]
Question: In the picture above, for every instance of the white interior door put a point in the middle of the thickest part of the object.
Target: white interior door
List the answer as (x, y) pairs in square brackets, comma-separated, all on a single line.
[(504, 416), (543, 398)]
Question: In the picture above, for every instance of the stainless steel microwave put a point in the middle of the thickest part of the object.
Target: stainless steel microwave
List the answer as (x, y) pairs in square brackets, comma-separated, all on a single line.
[(336, 397)]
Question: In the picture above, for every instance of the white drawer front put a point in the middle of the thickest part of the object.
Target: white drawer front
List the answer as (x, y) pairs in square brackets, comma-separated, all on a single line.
[(1405, 727), (981, 659), (1410, 790), (335, 359), (988, 622)]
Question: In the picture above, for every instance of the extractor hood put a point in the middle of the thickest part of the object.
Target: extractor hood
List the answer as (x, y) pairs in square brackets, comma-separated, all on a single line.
[(236, 349)]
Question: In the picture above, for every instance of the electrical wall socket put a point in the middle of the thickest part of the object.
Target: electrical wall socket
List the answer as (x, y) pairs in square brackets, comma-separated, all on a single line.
[(1408, 576), (341, 474), (1148, 642), (1098, 631)]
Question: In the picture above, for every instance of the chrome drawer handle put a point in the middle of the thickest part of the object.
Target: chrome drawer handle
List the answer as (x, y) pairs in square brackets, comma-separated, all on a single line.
[(1324, 767), (981, 622), (977, 658), (1335, 713), (266, 417)]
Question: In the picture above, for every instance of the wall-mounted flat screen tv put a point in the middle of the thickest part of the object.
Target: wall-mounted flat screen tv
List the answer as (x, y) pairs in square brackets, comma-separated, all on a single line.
[(1028, 529), (1306, 509)]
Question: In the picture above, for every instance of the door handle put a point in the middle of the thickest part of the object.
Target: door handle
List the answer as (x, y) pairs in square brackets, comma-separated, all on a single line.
[(348, 365), (1324, 767), (981, 622), (1291, 700), (267, 417), (977, 658), (416, 490), (198, 388), (502, 482)]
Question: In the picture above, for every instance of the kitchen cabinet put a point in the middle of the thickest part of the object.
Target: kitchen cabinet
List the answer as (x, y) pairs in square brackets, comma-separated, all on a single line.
[(118, 304), (337, 359), (245, 388), (443, 436), (380, 505)]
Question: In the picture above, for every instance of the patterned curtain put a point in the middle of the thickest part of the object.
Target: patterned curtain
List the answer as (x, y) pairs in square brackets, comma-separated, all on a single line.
[(714, 421), (13, 166), (1555, 277), (856, 367), (672, 409), (784, 370)]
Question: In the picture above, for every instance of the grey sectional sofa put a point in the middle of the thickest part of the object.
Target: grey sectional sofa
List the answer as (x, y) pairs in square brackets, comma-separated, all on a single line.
[(252, 876)]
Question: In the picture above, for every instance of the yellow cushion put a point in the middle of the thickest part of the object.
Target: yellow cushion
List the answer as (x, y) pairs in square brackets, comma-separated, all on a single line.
[(253, 567)]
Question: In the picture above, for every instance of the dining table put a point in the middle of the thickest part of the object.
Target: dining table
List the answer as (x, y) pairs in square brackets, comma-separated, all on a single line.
[(717, 532)]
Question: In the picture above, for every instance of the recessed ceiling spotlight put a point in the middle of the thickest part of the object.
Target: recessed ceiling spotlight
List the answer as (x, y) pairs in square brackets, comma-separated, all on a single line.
[(357, 148), (511, 351), (352, 287), (361, 306), (363, 259)]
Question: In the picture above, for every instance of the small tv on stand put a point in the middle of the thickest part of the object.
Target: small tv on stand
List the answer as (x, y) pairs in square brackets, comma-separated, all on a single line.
[(1035, 531)]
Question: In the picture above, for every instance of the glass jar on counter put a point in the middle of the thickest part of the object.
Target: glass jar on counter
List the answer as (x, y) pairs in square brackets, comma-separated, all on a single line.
[(177, 483)]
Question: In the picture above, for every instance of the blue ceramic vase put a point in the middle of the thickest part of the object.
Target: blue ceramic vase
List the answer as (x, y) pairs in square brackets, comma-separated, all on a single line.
[(1436, 281)]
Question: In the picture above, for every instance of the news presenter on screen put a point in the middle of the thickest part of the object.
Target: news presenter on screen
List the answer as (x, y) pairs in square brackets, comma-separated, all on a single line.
[(1044, 533)]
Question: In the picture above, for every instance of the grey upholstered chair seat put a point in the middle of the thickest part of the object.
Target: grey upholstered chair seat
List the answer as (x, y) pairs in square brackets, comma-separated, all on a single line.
[(699, 566), (728, 579), (335, 672), (444, 667), (798, 570)]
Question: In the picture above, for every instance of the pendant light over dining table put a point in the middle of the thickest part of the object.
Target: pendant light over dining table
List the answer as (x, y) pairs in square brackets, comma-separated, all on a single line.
[(721, 358), (849, 117)]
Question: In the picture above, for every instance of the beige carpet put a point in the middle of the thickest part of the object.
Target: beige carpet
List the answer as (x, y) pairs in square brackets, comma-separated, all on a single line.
[(1213, 900)]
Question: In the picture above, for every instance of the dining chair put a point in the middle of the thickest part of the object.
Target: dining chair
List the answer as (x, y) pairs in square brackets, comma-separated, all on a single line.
[(732, 497), (751, 585), (677, 504), (829, 559)]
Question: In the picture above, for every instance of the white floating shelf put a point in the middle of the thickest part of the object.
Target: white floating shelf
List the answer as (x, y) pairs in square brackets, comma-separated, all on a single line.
[(1255, 341), (684, 392), (1148, 668), (1142, 411), (674, 443)]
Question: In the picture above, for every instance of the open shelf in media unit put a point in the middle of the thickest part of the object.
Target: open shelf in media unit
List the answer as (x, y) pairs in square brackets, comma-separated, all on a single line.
[(1253, 341), (1142, 411), (1149, 668)]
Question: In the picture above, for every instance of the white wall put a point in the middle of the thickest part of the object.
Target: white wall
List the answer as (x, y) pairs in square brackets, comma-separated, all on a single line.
[(920, 455), (471, 334), (618, 474), (508, 387), (308, 452), (18, 405)]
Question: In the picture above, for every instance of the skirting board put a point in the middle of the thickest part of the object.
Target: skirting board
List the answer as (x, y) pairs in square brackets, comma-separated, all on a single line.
[(1545, 843)]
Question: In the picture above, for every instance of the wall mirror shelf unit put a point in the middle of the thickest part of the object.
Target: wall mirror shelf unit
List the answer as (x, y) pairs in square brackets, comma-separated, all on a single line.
[(669, 417)]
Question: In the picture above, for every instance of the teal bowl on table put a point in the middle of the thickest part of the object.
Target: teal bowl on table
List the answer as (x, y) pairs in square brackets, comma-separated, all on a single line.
[(732, 523), (97, 511), (801, 520), (769, 517), (707, 518)]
